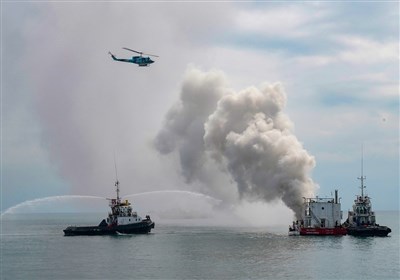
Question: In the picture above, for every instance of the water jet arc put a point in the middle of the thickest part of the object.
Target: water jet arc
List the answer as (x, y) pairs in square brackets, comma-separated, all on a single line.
[(34, 202), (176, 192)]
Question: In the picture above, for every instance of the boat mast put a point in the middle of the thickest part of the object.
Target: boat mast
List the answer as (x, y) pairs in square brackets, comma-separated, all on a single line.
[(362, 178), (116, 180), (117, 185)]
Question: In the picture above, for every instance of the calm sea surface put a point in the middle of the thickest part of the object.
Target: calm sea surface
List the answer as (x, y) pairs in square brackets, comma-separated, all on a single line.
[(33, 247)]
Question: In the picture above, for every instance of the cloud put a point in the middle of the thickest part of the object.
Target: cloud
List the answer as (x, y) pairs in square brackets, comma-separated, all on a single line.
[(354, 50), (365, 51), (292, 21)]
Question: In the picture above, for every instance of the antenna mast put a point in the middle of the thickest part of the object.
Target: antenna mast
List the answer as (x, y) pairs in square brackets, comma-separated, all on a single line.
[(362, 178), (116, 180)]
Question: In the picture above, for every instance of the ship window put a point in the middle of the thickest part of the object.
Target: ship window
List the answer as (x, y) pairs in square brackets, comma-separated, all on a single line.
[(323, 208)]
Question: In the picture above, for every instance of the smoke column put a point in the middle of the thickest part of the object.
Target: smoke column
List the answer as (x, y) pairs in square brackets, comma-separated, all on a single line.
[(245, 134)]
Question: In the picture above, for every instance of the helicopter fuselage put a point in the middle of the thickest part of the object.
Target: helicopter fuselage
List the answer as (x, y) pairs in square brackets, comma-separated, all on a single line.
[(141, 61)]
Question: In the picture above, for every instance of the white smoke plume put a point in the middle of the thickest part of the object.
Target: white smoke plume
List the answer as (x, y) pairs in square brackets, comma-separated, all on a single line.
[(246, 134)]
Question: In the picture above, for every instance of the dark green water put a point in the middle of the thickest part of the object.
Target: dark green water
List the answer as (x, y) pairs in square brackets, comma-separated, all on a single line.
[(33, 247)]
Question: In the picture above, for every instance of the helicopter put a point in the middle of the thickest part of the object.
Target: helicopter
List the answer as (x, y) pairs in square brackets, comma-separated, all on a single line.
[(139, 60)]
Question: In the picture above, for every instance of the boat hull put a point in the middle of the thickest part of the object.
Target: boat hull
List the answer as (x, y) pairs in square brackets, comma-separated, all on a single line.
[(323, 231), (143, 227), (369, 231)]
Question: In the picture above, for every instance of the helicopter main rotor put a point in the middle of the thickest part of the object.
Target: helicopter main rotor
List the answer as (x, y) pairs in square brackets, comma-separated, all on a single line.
[(141, 53)]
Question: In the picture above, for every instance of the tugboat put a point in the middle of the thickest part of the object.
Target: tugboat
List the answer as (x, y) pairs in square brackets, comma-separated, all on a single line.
[(361, 221), (121, 220), (320, 216)]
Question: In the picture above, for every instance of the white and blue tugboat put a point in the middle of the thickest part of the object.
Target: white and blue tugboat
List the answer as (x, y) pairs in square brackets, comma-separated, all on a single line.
[(361, 220), (121, 220)]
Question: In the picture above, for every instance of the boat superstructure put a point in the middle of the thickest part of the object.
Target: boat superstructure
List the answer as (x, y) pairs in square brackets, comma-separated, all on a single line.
[(121, 220), (320, 216)]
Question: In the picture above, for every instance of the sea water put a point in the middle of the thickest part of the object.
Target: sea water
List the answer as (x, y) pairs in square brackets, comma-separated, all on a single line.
[(33, 247)]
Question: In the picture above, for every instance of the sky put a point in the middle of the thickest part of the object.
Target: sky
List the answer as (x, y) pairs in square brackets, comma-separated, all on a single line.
[(70, 114)]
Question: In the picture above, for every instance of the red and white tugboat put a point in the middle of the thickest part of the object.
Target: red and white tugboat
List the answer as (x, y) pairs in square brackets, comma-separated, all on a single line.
[(121, 220), (320, 216)]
